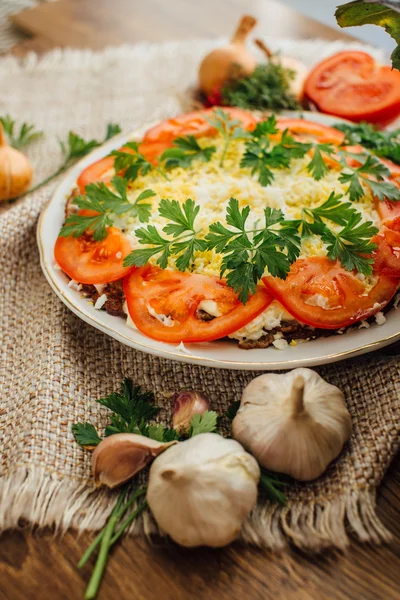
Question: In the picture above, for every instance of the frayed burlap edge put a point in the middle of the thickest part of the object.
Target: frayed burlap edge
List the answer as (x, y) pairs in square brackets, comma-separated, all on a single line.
[(32, 494)]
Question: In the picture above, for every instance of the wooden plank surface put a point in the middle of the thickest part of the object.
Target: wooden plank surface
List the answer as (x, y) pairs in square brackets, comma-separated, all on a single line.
[(41, 566)]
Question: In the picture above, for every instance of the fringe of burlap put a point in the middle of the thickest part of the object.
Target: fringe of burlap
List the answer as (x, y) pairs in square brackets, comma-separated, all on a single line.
[(33, 495)]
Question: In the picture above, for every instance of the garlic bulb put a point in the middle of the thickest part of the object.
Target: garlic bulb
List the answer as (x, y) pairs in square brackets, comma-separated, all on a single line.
[(295, 423), (120, 456), (15, 171), (201, 490), (186, 404), (217, 67)]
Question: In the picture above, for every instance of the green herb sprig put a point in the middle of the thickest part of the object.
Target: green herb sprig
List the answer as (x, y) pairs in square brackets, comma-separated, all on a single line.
[(74, 148), (131, 411), (357, 177), (19, 139), (268, 87), (229, 128), (379, 142), (107, 204), (184, 242), (248, 252), (184, 151), (261, 156)]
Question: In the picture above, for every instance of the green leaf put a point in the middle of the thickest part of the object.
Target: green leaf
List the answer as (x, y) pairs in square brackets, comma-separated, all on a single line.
[(184, 151), (231, 411), (85, 434), (229, 128), (268, 87), (332, 209), (26, 135), (131, 404), (112, 130), (372, 13), (162, 434), (270, 485), (380, 142), (317, 166), (205, 423)]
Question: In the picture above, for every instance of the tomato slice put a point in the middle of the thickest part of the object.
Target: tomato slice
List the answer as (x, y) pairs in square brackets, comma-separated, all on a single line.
[(194, 123), (88, 261), (352, 85), (102, 170), (321, 293), (387, 255), (154, 295), (309, 131)]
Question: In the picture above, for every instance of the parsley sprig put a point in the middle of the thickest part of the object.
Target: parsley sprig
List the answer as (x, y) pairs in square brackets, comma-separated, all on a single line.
[(184, 242), (229, 128), (317, 165), (108, 204), (379, 142), (248, 252), (132, 412), (19, 139), (184, 151), (74, 148), (371, 173), (261, 155)]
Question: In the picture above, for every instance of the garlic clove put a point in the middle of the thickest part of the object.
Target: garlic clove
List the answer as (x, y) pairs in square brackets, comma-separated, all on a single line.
[(294, 423), (201, 491), (186, 404), (220, 64), (120, 456), (15, 171)]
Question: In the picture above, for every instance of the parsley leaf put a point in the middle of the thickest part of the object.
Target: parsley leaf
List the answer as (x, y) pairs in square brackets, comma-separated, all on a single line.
[(352, 245), (133, 163), (85, 434), (25, 136), (184, 151), (317, 166), (270, 484), (261, 156), (247, 253), (371, 167), (183, 244), (102, 200), (229, 128), (382, 143), (162, 434), (205, 423), (332, 209)]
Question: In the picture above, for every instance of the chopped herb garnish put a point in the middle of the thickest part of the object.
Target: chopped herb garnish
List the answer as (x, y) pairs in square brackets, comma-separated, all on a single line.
[(108, 204), (268, 87), (261, 156), (184, 241), (184, 151), (359, 176), (248, 252), (229, 128)]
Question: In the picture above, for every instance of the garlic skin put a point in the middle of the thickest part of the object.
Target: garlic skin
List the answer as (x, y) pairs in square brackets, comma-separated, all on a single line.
[(216, 67), (120, 456), (300, 70), (186, 404), (294, 423), (15, 171), (201, 490)]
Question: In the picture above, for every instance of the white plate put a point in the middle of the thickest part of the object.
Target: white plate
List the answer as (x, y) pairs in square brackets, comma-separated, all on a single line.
[(222, 354)]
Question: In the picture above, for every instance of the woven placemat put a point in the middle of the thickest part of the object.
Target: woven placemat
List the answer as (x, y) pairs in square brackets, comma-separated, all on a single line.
[(53, 366)]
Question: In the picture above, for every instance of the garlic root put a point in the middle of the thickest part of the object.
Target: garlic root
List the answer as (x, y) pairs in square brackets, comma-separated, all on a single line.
[(217, 67), (294, 423), (120, 456), (15, 170)]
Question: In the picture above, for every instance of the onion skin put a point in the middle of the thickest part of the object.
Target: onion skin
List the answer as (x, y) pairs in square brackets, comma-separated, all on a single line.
[(218, 66), (15, 171)]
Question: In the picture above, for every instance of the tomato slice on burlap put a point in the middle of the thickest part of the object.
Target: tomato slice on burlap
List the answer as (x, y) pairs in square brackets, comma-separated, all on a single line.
[(352, 85), (164, 305)]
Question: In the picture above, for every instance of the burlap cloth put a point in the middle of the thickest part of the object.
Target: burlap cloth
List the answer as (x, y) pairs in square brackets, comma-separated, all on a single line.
[(53, 366)]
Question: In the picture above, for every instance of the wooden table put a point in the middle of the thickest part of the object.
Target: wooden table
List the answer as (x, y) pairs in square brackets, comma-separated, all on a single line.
[(38, 565)]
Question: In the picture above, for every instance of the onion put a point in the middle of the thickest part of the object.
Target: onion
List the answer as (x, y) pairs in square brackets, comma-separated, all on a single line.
[(15, 171), (222, 64)]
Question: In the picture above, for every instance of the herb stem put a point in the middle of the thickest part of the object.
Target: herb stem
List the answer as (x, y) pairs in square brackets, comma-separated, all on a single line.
[(128, 521), (221, 162), (105, 545)]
